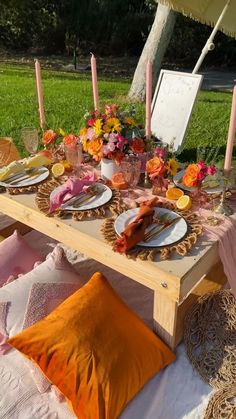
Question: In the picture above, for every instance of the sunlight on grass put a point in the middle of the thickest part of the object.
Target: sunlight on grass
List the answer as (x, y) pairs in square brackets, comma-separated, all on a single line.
[(67, 96)]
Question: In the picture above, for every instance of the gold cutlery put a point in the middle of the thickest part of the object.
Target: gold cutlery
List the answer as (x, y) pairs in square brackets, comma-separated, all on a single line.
[(86, 199), (155, 233), (25, 177), (20, 175), (82, 198)]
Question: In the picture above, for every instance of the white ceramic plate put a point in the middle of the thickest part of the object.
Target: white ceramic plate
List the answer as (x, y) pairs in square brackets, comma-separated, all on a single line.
[(42, 174), (168, 237), (177, 180), (105, 194)]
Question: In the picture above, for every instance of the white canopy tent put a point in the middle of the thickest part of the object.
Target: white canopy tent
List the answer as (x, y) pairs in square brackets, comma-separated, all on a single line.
[(221, 14)]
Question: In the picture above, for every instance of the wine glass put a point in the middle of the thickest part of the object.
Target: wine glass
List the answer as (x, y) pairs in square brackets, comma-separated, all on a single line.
[(209, 154), (29, 137), (130, 167)]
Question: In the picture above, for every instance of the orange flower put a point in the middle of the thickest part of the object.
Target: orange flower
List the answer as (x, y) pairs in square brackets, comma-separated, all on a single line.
[(156, 167), (70, 140), (137, 145), (191, 174), (49, 137), (94, 147)]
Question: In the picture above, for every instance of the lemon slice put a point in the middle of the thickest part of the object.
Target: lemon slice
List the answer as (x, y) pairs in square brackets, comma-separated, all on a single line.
[(184, 203), (174, 193), (58, 169)]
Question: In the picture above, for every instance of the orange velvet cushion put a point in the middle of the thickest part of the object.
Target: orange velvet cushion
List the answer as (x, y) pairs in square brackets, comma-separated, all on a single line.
[(95, 350)]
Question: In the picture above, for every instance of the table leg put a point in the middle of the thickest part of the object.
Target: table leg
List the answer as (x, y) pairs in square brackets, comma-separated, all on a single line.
[(165, 318), (168, 315)]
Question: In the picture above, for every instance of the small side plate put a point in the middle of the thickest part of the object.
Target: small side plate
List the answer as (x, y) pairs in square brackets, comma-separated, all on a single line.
[(177, 181)]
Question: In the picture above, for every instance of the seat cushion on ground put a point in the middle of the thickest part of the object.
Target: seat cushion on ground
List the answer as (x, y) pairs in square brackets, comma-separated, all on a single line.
[(95, 350), (16, 257), (34, 295)]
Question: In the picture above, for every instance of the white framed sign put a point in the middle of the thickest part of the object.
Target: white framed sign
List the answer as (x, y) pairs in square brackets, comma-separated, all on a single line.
[(172, 105)]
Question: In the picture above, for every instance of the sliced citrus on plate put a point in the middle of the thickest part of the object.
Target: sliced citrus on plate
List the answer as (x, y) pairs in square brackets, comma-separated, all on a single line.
[(58, 169), (118, 181), (174, 193), (184, 203)]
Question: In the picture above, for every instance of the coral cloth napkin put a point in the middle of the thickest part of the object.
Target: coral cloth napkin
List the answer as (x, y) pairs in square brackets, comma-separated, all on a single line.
[(134, 232), (71, 188)]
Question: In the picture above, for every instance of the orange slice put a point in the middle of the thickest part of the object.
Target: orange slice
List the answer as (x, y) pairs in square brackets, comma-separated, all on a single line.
[(58, 169), (67, 165), (184, 203), (118, 181), (174, 193)]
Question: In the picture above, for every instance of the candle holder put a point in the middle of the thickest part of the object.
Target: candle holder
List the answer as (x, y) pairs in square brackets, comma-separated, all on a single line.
[(224, 208), (144, 181)]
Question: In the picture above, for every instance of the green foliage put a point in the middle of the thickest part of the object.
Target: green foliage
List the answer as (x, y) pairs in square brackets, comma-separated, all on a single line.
[(105, 26), (67, 96), (188, 39)]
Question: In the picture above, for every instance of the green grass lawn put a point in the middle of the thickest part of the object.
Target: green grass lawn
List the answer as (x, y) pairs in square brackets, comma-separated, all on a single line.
[(67, 96)]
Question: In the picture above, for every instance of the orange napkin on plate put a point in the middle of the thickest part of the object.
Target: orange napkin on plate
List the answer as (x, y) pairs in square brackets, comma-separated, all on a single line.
[(134, 232)]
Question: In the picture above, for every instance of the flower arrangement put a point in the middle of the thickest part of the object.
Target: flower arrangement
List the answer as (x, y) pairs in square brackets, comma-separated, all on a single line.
[(56, 142), (50, 136), (160, 165), (195, 173), (112, 134)]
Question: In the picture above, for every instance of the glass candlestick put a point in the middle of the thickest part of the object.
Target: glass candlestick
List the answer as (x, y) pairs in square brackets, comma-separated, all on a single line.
[(224, 208)]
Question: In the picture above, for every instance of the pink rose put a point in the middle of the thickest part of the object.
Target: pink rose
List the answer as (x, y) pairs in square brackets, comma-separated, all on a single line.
[(203, 166), (211, 170), (160, 152), (90, 122), (201, 175)]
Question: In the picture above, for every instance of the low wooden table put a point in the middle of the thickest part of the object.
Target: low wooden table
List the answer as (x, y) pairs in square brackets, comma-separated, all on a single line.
[(176, 283)]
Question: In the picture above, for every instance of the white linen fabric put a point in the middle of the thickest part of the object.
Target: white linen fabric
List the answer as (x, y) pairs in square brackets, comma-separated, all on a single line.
[(177, 392)]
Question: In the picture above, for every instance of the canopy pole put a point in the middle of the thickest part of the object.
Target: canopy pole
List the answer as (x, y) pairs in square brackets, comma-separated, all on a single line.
[(210, 44)]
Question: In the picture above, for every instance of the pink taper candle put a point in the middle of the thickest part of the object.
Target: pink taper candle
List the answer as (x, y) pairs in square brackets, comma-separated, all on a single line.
[(148, 98), (94, 82), (231, 134), (40, 95)]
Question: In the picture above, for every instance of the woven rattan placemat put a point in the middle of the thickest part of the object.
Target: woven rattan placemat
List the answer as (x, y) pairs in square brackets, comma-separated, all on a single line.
[(210, 338), (114, 206), (145, 253)]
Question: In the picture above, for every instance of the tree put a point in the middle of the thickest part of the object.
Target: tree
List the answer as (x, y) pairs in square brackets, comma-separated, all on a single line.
[(154, 49)]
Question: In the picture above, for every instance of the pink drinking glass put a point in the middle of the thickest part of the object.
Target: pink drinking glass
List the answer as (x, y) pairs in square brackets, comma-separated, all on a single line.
[(74, 156), (130, 167)]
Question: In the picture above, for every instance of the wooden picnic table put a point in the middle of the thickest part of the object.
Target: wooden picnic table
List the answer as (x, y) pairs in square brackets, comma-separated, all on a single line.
[(176, 283)]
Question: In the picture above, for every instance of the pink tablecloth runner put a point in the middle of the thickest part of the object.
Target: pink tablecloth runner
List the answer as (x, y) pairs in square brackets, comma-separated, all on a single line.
[(225, 233)]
